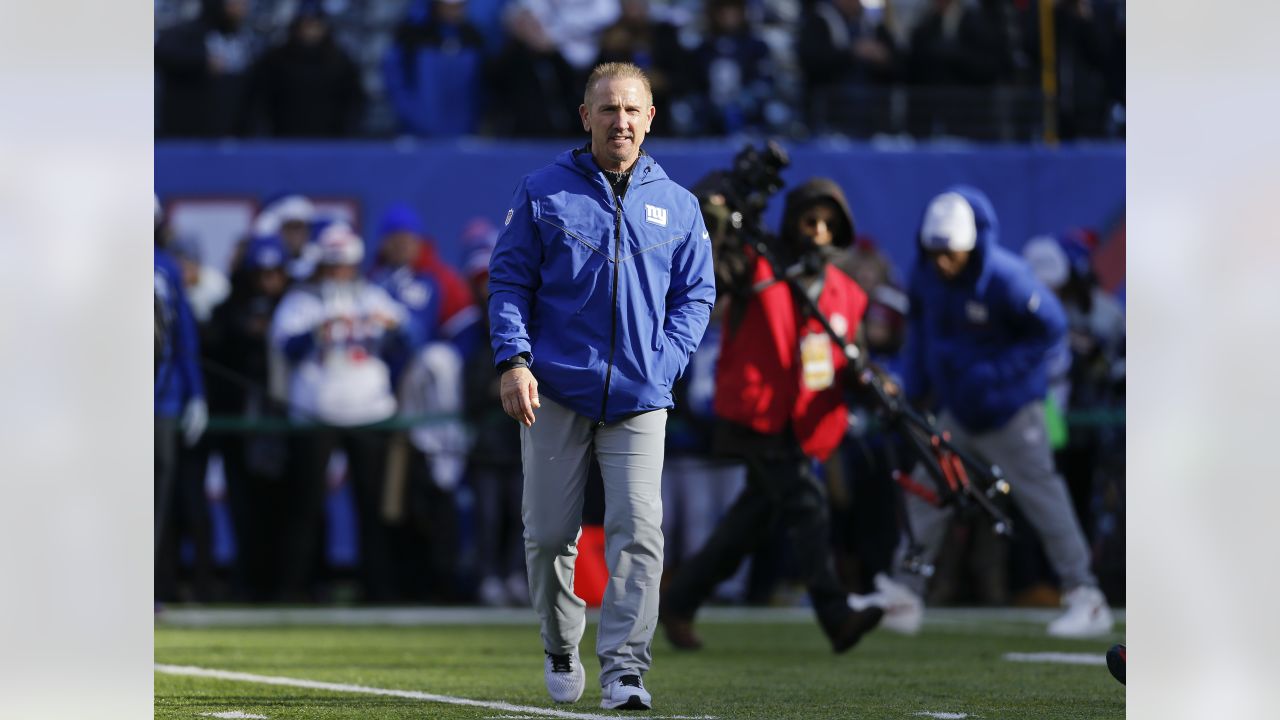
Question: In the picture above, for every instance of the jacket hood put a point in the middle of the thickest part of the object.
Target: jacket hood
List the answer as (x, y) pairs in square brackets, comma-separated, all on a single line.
[(802, 197), (986, 225)]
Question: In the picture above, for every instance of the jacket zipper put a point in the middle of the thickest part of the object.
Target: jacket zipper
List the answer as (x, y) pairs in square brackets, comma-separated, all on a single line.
[(613, 324)]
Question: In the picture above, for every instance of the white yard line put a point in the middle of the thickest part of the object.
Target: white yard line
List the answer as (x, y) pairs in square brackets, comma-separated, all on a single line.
[(940, 618), (234, 714), (1058, 657), (366, 690), (943, 715)]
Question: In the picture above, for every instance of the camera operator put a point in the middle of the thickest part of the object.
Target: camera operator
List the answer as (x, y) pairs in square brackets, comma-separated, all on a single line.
[(779, 400)]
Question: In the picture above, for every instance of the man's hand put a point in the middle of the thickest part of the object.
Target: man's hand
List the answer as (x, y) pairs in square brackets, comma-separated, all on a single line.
[(890, 387), (384, 321), (194, 420), (870, 50), (520, 394)]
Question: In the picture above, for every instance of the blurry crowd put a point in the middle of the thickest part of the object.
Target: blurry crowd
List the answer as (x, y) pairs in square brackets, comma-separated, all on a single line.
[(334, 384), (515, 68), (308, 339)]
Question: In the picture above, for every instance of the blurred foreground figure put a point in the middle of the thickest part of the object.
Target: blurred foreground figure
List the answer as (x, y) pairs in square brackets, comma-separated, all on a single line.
[(780, 386), (334, 332), (982, 331)]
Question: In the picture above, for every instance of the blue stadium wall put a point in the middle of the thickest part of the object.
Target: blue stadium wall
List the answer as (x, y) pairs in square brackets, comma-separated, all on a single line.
[(1035, 189)]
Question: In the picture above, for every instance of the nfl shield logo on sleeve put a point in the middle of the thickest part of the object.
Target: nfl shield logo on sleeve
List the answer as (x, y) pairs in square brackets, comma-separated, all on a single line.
[(656, 215)]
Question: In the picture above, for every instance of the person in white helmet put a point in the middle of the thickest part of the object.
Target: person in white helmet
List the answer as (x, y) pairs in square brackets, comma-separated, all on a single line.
[(981, 333)]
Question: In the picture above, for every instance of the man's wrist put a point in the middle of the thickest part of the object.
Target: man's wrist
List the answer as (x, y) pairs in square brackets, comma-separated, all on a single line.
[(515, 361)]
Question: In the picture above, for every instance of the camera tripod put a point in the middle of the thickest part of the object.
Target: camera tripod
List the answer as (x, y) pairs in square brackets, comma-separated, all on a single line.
[(958, 478)]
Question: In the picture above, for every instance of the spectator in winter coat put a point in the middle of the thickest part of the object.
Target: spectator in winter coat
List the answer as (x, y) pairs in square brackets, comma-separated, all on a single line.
[(981, 332), (434, 70), (410, 268), (956, 55), (333, 332), (308, 87), (843, 53), (181, 412), (290, 218), (202, 66), (237, 342), (732, 70)]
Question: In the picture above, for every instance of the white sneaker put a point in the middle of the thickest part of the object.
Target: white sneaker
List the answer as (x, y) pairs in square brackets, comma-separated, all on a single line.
[(625, 693), (565, 677), (1087, 614), (903, 609)]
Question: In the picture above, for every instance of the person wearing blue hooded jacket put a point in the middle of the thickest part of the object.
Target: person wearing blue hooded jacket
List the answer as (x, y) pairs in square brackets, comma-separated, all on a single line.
[(180, 410), (600, 288), (981, 331)]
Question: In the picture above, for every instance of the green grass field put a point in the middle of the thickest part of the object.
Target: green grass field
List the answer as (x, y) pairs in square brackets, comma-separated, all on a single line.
[(756, 665)]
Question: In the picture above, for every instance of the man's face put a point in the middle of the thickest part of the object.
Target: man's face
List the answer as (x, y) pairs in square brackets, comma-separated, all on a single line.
[(450, 13), (295, 234), (190, 272), (949, 263), (237, 10), (850, 8), (818, 223), (271, 281), (728, 19), (311, 31), (339, 273), (618, 115), (400, 248)]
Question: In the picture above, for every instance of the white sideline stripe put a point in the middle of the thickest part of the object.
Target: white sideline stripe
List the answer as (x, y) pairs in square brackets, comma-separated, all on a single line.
[(939, 618), (1058, 657), (646, 717), (943, 715), (366, 690), (234, 714)]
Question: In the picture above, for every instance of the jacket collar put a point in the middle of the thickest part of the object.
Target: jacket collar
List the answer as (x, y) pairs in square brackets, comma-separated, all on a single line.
[(580, 160)]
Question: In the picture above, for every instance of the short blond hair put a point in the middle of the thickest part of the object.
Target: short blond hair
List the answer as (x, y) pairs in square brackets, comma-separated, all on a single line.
[(611, 70)]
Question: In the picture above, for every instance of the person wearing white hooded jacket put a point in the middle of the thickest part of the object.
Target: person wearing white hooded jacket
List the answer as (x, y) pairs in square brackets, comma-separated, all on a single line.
[(332, 332)]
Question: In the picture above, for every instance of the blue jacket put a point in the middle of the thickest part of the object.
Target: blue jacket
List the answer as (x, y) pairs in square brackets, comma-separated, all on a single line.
[(433, 84), (609, 297), (420, 295), (980, 343), (178, 377)]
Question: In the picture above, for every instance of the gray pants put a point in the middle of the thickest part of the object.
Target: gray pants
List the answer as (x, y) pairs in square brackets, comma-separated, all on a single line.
[(1021, 449), (556, 454)]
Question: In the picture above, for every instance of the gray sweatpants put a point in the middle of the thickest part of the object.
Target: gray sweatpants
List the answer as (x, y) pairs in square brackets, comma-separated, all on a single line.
[(556, 454), (1021, 449)]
